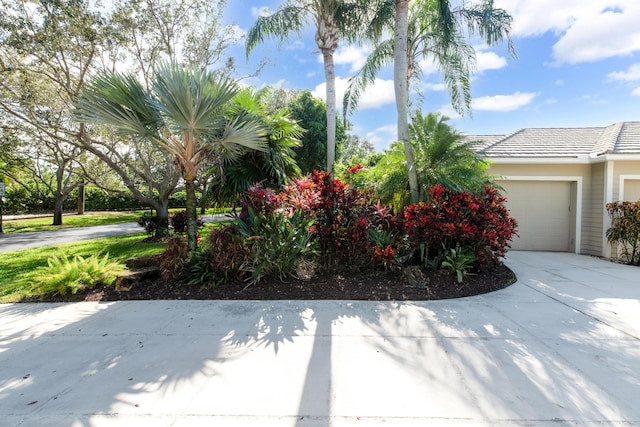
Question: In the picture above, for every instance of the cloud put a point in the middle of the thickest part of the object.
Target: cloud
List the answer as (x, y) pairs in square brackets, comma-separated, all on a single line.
[(503, 102), (636, 92), (260, 11), (587, 31), (382, 137), (351, 55), (631, 75), (376, 96), (486, 60)]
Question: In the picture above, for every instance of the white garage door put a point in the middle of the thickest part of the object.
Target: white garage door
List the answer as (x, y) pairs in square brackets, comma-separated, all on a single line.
[(632, 190), (542, 209)]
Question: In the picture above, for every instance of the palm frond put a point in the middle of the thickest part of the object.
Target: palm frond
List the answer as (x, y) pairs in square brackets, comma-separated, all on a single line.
[(287, 19)]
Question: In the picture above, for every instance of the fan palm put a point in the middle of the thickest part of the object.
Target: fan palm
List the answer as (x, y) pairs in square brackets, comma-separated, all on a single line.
[(183, 112), (333, 19), (432, 29)]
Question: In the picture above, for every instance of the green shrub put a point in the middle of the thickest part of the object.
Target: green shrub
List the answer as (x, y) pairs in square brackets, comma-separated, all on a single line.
[(62, 275), (277, 243), (459, 262), (625, 229)]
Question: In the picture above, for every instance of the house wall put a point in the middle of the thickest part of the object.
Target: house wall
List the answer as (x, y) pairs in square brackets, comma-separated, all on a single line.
[(594, 213), (628, 171)]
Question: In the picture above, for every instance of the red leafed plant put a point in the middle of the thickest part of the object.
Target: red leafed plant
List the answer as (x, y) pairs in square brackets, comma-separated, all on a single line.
[(449, 220)]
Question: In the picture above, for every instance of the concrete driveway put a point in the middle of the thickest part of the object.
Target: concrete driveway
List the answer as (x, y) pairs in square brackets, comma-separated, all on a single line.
[(561, 347)]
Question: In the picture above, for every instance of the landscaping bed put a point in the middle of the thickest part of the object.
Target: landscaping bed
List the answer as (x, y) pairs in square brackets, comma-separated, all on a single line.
[(327, 286)]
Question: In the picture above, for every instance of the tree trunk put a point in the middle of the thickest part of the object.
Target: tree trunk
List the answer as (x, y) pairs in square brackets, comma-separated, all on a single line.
[(81, 198), (57, 209), (162, 211), (330, 78), (400, 74), (192, 215)]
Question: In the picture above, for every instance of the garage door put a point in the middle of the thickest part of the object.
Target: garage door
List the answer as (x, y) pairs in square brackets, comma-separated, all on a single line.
[(632, 190), (542, 209)]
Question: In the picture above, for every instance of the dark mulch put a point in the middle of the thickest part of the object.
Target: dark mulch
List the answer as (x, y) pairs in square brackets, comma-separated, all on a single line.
[(328, 286)]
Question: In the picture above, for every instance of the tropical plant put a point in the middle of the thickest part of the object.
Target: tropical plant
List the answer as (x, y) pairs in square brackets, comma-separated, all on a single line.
[(62, 274), (625, 229), (432, 29), (441, 157), (175, 258), (278, 242), (333, 19), (271, 167), (459, 261), (480, 225), (183, 112)]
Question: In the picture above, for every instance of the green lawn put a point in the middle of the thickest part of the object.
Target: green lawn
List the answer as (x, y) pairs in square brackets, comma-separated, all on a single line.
[(18, 268), (87, 220), (69, 221)]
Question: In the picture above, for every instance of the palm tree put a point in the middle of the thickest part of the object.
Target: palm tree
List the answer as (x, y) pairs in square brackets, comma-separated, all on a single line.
[(183, 112), (441, 157), (333, 19), (272, 167), (429, 28)]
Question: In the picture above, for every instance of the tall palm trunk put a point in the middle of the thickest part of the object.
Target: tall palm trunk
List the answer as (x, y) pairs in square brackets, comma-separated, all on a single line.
[(401, 87), (330, 78), (192, 230)]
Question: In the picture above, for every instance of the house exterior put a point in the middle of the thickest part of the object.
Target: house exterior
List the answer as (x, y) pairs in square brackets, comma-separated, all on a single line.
[(558, 181)]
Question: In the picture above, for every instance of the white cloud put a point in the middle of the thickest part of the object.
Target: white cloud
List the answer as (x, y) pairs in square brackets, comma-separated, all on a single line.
[(486, 60), (381, 93), (503, 102), (260, 11), (587, 31), (383, 136), (631, 75), (636, 92), (353, 55)]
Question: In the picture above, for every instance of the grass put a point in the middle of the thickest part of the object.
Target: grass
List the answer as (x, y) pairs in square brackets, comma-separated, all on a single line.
[(72, 221), (69, 221), (19, 267)]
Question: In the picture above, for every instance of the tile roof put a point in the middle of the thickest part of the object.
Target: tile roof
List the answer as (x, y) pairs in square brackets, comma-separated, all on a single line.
[(619, 138)]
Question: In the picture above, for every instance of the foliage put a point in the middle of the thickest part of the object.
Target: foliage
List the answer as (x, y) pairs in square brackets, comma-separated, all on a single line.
[(459, 261), (271, 167), (479, 225), (625, 229), (62, 274), (178, 220), (18, 267), (440, 157), (174, 258), (148, 222), (277, 242), (183, 112), (223, 257)]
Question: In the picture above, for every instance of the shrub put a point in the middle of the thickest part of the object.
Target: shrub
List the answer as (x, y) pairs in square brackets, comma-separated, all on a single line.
[(449, 220), (625, 229), (62, 274), (223, 257), (178, 220), (174, 258), (277, 243), (149, 223)]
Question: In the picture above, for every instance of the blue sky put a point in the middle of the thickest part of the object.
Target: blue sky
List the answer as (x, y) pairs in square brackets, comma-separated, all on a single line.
[(578, 64)]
